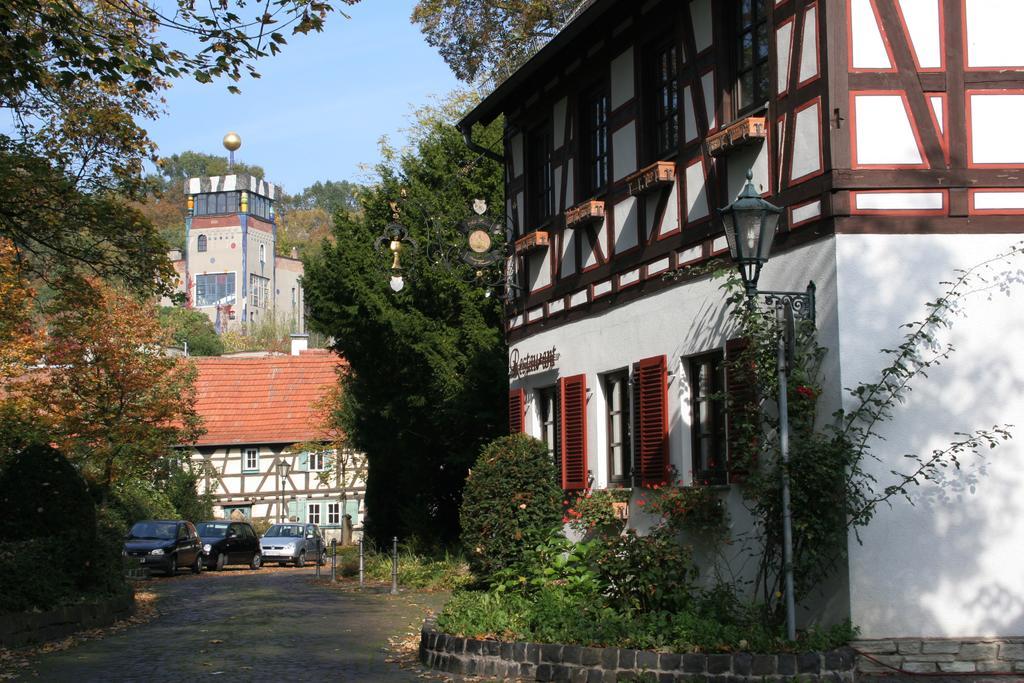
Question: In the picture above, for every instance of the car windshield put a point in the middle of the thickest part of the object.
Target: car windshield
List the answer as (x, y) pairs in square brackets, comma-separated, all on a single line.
[(154, 531), (215, 529), (285, 531)]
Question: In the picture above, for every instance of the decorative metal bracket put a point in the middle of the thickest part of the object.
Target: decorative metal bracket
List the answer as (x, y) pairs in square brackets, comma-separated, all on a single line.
[(800, 303)]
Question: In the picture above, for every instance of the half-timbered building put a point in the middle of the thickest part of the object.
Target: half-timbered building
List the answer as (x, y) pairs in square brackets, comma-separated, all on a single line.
[(265, 410), (887, 128)]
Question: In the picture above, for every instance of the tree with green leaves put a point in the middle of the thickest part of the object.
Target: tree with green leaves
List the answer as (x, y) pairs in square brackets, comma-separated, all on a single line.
[(482, 40), (191, 329), (427, 378)]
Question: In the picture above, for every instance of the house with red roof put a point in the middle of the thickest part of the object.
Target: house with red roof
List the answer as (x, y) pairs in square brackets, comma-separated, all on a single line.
[(256, 410)]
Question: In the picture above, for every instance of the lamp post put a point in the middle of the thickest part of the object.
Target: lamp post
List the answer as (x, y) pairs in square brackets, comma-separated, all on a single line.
[(282, 471), (750, 225)]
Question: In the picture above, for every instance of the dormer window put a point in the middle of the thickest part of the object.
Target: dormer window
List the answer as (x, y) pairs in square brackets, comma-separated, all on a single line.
[(201, 243), (752, 65)]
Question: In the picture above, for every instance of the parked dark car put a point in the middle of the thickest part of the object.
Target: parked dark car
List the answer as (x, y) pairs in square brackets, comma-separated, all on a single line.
[(226, 542), (165, 545), (295, 543)]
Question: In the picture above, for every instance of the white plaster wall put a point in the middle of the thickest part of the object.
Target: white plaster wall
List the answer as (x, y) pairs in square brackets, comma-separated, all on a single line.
[(679, 322), (949, 565), (624, 151), (622, 79)]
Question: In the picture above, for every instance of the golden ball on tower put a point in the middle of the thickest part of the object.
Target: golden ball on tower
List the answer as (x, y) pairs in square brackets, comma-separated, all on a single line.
[(232, 141)]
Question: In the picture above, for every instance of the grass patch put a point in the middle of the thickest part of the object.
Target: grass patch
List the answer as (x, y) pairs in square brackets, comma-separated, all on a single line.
[(422, 572)]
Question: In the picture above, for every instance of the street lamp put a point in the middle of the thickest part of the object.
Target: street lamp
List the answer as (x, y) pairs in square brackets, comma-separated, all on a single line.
[(282, 471), (750, 224)]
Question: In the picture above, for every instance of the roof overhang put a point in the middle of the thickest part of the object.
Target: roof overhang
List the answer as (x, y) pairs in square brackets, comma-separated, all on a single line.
[(493, 105)]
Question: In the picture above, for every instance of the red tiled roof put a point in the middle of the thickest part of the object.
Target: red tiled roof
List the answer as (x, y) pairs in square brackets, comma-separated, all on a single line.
[(269, 399)]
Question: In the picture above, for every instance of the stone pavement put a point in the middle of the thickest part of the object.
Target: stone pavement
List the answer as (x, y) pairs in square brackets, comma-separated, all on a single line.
[(242, 625)]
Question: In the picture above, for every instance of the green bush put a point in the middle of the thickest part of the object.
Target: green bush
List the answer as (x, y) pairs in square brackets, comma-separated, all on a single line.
[(182, 490), (647, 573), (510, 503), (556, 614), (53, 551), (132, 501), (42, 494), (478, 613)]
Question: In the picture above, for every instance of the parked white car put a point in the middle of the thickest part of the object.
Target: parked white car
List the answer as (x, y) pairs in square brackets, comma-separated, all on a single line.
[(294, 543)]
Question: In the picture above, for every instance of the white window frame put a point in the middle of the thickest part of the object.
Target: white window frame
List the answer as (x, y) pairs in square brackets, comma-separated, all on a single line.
[(245, 459), (317, 461), (312, 513), (333, 514), (195, 288)]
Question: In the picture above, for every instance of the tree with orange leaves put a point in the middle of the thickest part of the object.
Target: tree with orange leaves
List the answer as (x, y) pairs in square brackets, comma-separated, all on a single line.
[(114, 402), (20, 346)]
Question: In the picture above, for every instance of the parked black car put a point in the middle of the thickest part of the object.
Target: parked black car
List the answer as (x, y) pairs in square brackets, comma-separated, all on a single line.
[(226, 542), (164, 545)]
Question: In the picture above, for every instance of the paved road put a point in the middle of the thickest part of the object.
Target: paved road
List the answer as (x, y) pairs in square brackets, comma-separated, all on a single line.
[(272, 624)]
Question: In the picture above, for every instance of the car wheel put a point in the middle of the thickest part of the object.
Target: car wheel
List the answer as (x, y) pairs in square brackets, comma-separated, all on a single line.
[(256, 562), (221, 561), (197, 567), (300, 561), (172, 566), (323, 558)]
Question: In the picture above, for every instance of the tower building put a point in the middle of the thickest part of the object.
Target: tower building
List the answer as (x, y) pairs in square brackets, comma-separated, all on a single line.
[(229, 269)]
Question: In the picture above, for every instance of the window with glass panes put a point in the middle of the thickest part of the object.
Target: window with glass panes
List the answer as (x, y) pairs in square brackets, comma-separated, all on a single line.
[(313, 513), (616, 394), (317, 461), (595, 126), (333, 513), (547, 401), (252, 459), (541, 176), (217, 202), (259, 290), (707, 384), (664, 114), (752, 66), (213, 289)]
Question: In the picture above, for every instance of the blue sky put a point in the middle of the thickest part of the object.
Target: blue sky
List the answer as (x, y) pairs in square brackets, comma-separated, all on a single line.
[(321, 105)]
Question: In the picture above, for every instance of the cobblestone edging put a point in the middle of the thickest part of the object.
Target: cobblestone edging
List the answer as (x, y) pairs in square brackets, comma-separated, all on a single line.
[(536, 662), (26, 628), (955, 657)]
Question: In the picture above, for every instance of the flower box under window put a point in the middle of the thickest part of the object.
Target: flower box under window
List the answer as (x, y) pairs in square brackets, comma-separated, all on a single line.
[(742, 132), (531, 241), (589, 211), (654, 177)]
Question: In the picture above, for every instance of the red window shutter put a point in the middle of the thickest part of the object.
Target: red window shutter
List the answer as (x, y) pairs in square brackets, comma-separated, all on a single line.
[(741, 408), (573, 399), (652, 382), (516, 411)]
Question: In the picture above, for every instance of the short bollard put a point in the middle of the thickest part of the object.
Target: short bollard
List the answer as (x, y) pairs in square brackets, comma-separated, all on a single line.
[(334, 560), (361, 566), (394, 565)]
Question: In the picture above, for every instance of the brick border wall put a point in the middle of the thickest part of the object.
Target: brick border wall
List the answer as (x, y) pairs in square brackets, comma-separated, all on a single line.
[(25, 628), (959, 657), (531, 661)]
